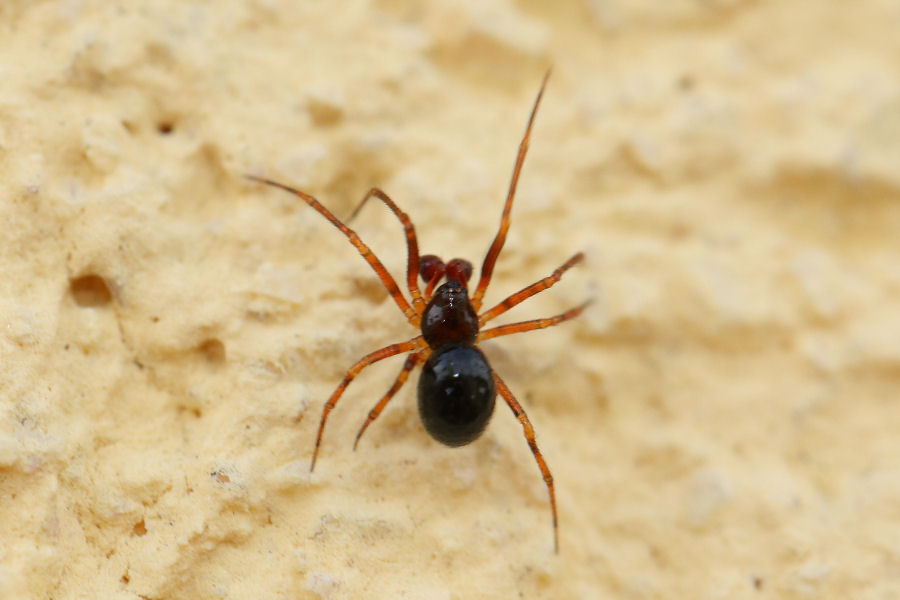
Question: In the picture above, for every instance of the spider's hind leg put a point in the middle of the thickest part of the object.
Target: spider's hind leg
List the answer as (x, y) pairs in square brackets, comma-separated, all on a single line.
[(519, 412), (409, 365), (373, 357)]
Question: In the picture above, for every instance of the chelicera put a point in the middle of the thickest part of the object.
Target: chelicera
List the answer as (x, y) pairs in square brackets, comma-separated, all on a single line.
[(457, 387)]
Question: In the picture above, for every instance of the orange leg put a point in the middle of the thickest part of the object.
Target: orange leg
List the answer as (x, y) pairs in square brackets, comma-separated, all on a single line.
[(530, 291), (487, 268), (532, 443), (409, 365), (530, 325), (412, 246), (393, 289), (416, 342)]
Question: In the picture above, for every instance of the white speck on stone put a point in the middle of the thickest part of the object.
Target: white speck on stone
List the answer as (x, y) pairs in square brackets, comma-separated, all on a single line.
[(100, 140), (10, 452), (811, 270), (808, 579), (302, 562), (465, 476), (299, 166), (25, 327), (823, 352), (645, 151), (294, 473), (323, 585), (708, 492), (605, 13)]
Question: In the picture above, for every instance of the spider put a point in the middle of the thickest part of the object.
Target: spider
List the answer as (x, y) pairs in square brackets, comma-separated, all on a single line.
[(457, 387)]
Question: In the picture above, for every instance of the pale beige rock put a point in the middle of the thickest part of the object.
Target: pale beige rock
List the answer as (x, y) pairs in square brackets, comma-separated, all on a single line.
[(721, 423)]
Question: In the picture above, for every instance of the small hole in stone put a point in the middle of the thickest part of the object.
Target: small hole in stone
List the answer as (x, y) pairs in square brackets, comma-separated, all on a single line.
[(90, 290), (165, 127), (213, 351), (323, 113), (126, 579), (190, 410), (686, 83), (139, 528)]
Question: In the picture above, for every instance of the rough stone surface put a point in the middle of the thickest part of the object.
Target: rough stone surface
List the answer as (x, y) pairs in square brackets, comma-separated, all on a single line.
[(721, 423)]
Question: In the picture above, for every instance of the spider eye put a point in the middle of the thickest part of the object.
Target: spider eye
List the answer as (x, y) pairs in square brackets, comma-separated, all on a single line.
[(459, 270), (430, 266)]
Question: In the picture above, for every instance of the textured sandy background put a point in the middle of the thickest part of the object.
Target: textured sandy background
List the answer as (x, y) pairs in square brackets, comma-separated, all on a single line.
[(722, 423)]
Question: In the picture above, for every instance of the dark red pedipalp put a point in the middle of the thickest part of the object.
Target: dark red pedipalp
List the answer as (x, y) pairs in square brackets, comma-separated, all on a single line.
[(459, 270)]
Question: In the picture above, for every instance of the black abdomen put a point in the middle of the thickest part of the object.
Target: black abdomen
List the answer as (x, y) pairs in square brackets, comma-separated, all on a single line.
[(456, 394)]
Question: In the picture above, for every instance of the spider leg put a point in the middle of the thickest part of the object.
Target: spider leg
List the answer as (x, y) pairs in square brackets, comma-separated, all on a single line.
[(529, 291), (409, 365), (519, 412), (411, 315), (412, 245), (373, 357), (487, 268), (530, 325)]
